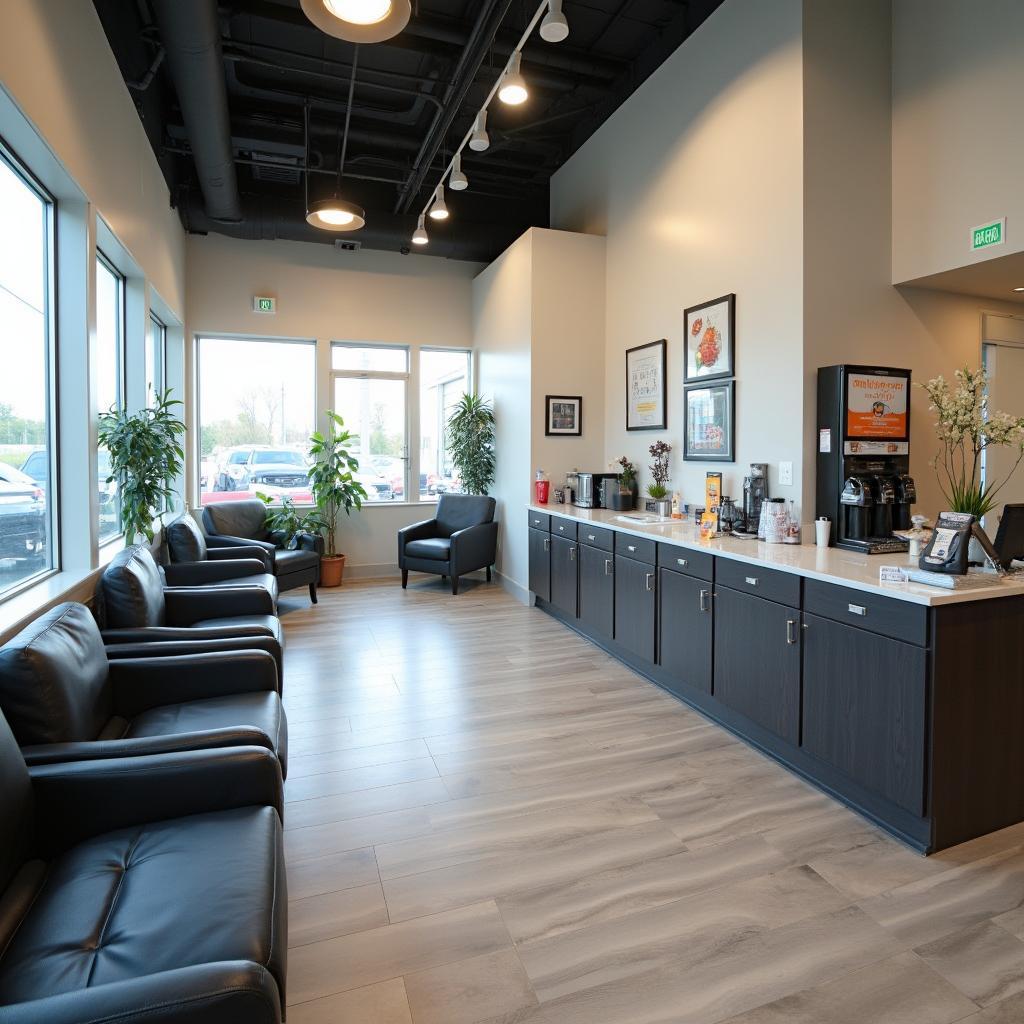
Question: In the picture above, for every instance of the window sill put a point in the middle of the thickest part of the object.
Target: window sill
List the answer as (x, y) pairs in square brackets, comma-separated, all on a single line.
[(16, 612)]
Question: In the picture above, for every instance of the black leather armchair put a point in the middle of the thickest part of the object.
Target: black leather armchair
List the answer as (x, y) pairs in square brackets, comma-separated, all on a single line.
[(143, 890), (64, 700), (137, 609), (244, 523), (186, 544), (461, 538)]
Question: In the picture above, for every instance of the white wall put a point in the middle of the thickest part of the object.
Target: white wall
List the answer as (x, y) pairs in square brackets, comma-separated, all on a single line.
[(958, 150), (330, 296), (697, 182)]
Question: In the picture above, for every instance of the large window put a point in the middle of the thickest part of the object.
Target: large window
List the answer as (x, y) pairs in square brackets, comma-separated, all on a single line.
[(27, 479), (257, 403), (109, 382), (156, 358), (370, 387), (444, 379)]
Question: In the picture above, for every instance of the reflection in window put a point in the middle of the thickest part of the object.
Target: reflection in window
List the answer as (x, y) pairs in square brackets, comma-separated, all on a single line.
[(109, 383), (374, 409), (26, 474), (444, 379), (156, 359)]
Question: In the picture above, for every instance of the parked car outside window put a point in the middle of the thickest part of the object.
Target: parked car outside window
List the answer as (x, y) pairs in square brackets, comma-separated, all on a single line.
[(22, 516)]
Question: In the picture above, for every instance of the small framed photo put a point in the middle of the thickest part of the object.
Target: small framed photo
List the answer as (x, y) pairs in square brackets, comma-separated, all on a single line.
[(646, 399), (709, 433), (709, 339), (564, 415)]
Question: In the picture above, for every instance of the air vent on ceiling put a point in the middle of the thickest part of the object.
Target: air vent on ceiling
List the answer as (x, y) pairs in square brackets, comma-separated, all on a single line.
[(347, 245), (282, 170)]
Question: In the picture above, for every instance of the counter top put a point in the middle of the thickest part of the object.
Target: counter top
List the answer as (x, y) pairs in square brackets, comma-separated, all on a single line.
[(830, 565)]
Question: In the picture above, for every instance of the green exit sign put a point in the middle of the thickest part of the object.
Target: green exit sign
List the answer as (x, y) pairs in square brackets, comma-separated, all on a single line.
[(264, 304), (985, 235)]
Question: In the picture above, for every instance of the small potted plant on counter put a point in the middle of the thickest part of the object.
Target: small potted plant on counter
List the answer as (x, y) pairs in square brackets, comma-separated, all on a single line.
[(658, 500), (622, 498)]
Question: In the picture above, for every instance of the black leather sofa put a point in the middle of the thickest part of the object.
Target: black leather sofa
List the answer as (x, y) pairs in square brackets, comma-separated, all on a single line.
[(244, 523), (136, 610), (461, 538), (64, 700), (142, 890)]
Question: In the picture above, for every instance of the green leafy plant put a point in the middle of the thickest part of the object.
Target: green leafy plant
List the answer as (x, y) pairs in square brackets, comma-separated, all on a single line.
[(332, 478), (660, 452), (287, 520), (626, 471), (966, 428), (146, 456), (471, 443)]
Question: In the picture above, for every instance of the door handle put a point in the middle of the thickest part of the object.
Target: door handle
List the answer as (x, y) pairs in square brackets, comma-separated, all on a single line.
[(547, 543), (790, 631), (650, 580), (607, 567), (857, 609), (684, 562), (631, 547), (705, 600), (591, 537), (752, 580), (572, 554)]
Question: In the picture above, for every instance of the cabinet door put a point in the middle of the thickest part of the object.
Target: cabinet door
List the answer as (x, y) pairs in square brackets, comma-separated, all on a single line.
[(564, 575), (757, 661), (865, 700), (597, 589), (540, 564), (635, 602), (685, 629)]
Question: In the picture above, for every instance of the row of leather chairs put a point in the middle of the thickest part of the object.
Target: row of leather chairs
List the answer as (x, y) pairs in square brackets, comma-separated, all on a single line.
[(142, 759)]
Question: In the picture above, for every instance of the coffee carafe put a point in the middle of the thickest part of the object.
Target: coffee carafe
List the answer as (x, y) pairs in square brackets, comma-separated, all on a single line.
[(883, 490), (906, 495), (857, 501)]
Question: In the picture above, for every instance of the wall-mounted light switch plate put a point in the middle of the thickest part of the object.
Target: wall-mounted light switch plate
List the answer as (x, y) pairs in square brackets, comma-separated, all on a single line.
[(785, 474)]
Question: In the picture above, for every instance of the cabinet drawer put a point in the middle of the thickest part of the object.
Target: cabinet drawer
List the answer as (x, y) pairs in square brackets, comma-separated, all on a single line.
[(693, 563), (636, 547), (887, 616), (539, 520), (783, 587), (596, 537), (563, 528)]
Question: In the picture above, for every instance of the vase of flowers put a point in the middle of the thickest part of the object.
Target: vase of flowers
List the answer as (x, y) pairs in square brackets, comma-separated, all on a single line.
[(659, 501), (622, 498)]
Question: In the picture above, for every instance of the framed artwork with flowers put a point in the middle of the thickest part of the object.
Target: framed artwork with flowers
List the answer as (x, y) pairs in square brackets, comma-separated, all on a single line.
[(709, 340)]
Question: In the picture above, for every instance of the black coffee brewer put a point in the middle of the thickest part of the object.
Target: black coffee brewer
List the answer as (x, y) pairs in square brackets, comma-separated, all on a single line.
[(864, 484)]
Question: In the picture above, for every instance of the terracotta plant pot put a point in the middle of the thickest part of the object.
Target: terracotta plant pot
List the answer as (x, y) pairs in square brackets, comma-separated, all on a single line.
[(331, 570)]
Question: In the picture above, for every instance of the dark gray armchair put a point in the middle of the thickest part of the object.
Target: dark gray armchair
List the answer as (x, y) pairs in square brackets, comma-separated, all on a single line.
[(461, 538), (244, 524)]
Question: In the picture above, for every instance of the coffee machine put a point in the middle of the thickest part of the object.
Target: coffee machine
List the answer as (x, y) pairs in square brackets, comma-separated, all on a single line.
[(864, 484)]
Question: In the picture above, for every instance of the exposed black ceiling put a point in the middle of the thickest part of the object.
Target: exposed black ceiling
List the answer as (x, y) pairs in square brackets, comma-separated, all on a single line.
[(415, 97)]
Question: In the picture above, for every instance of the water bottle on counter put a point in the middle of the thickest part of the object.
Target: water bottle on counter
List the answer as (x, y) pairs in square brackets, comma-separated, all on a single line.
[(542, 486)]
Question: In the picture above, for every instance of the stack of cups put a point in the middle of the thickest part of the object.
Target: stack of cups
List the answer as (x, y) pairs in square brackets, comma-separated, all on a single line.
[(822, 531)]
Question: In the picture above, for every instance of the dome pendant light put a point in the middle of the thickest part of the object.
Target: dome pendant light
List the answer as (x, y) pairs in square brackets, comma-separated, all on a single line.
[(554, 28), (513, 89), (419, 236), (439, 211), (359, 21), (335, 214), (480, 140), (457, 181)]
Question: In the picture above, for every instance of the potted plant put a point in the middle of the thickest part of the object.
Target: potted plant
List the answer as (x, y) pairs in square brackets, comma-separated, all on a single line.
[(146, 457), (623, 499), (287, 520), (659, 503), (332, 479), (471, 443)]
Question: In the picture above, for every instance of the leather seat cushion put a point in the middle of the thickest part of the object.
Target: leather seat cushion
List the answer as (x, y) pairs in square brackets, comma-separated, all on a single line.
[(130, 903), (438, 549), (185, 540), (239, 625), (295, 561)]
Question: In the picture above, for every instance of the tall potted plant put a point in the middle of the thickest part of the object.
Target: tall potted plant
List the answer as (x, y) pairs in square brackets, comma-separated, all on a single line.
[(471, 443), (332, 479), (146, 456)]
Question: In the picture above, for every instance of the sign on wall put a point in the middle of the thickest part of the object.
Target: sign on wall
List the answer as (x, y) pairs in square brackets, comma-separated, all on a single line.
[(986, 235), (264, 304)]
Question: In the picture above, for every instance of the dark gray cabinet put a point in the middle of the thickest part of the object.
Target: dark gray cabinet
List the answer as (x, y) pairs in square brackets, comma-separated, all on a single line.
[(597, 589), (564, 575), (540, 563), (864, 704), (685, 633), (757, 661), (636, 594)]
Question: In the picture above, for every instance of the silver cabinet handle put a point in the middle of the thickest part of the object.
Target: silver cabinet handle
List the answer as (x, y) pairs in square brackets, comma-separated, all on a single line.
[(607, 567), (547, 543), (684, 562), (590, 536), (705, 600), (572, 554), (790, 631), (857, 609), (650, 581), (631, 547), (752, 580)]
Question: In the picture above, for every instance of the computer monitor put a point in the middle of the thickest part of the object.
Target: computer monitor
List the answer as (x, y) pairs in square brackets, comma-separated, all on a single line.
[(1010, 535)]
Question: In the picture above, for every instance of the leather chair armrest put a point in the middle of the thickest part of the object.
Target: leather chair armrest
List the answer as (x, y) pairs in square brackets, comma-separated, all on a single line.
[(142, 683), (417, 531), (77, 800), (225, 992), (311, 542), (473, 548), (251, 550), (186, 605), (152, 637), (226, 540), (195, 574)]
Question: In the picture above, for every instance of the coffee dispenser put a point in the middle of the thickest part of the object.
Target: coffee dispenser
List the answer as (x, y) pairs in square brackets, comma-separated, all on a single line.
[(864, 484)]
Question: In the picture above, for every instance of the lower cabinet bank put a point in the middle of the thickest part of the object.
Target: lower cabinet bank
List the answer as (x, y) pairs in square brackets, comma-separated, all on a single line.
[(911, 714)]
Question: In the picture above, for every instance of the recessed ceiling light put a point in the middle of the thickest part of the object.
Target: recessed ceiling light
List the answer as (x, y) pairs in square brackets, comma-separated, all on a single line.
[(1018, 289), (359, 21)]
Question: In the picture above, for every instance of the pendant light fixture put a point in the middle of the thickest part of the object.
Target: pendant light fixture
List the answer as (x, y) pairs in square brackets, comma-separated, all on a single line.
[(457, 181), (419, 236), (554, 28), (480, 140), (513, 89), (439, 211), (359, 21)]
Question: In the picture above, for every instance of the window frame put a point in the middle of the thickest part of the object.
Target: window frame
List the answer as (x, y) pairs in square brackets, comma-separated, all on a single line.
[(454, 350), (159, 354), (121, 400)]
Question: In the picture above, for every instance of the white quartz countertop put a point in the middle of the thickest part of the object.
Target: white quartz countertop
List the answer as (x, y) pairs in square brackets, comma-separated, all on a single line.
[(830, 565)]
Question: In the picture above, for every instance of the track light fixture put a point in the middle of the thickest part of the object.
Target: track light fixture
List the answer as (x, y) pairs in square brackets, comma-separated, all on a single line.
[(513, 89), (359, 21), (419, 236), (554, 28), (480, 140), (457, 181), (438, 210)]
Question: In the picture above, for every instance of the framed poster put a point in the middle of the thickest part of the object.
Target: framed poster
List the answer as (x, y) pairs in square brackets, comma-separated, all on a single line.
[(709, 339), (709, 433), (646, 399), (564, 415)]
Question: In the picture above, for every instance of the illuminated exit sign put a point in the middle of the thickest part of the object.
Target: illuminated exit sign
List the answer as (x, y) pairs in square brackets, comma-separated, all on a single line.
[(264, 304), (985, 235)]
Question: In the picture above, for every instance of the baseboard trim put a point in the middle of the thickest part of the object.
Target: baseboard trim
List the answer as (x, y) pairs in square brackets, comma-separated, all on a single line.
[(516, 590)]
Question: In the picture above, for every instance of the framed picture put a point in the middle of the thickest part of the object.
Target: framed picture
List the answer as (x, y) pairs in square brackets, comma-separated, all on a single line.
[(564, 415), (709, 339), (709, 434), (646, 399)]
